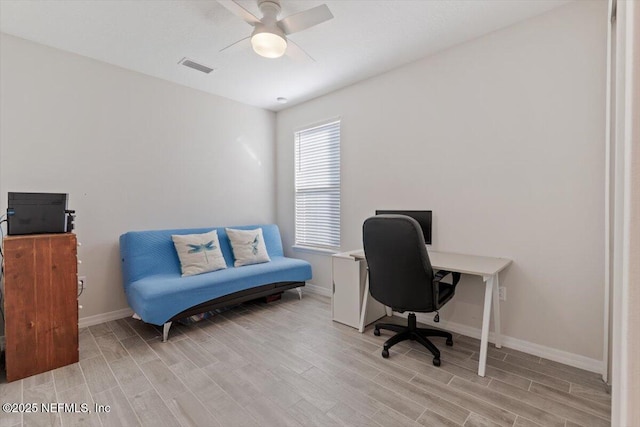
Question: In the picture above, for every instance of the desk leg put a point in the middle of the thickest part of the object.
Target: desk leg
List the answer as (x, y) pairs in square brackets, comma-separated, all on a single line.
[(496, 312), (365, 298), (484, 338)]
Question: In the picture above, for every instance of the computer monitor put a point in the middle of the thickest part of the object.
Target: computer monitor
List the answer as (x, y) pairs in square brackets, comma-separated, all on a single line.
[(423, 218)]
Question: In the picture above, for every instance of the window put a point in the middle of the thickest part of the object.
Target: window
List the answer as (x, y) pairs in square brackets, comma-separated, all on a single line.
[(317, 186)]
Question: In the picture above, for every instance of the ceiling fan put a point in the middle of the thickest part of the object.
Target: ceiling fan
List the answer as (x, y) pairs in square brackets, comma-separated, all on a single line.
[(269, 36)]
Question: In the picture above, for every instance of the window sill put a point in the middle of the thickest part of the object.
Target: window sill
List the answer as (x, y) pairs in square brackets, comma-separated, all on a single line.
[(312, 250)]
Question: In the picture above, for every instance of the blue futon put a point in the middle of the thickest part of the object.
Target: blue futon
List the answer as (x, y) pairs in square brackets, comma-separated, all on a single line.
[(156, 291)]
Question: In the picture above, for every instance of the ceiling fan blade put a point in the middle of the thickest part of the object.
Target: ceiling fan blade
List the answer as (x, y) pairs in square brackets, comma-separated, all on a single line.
[(306, 19), (295, 52), (240, 11), (235, 45)]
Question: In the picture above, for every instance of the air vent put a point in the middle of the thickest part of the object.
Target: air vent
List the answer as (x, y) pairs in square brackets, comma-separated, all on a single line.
[(191, 64)]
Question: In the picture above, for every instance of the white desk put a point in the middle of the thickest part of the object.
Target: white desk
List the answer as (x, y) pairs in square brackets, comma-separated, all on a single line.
[(488, 268)]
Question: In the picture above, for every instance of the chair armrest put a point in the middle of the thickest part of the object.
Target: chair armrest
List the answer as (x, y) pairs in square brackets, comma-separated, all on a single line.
[(437, 278), (441, 274)]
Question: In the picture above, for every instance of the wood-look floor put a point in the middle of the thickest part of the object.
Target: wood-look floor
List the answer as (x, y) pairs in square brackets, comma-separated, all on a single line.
[(287, 364)]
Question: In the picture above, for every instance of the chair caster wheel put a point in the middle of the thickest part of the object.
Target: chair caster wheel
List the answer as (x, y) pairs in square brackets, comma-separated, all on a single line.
[(450, 343), (376, 332), (436, 362), (385, 353)]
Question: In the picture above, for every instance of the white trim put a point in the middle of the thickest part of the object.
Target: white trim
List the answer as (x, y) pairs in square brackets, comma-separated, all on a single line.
[(560, 356), (313, 250), (623, 375), (556, 355), (627, 373), (96, 319), (318, 290), (608, 192), (126, 312)]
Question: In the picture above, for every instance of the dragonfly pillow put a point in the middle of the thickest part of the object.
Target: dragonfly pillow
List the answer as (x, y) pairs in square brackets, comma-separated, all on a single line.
[(248, 246), (199, 253)]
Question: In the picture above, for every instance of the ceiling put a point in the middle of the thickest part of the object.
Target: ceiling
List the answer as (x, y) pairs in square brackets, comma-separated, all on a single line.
[(365, 38)]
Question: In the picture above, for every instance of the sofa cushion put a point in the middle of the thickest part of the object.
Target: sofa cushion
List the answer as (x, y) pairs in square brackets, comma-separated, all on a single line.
[(248, 246), (156, 299), (199, 253), (151, 252)]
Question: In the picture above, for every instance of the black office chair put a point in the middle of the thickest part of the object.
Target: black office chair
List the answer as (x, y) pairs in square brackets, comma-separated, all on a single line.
[(401, 277)]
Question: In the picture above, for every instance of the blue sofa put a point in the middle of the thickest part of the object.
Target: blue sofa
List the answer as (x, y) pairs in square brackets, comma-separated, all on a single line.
[(158, 293)]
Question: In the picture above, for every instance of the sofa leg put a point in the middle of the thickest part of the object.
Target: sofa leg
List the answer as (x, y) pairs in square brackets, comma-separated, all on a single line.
[(165, 331), (299, 292)]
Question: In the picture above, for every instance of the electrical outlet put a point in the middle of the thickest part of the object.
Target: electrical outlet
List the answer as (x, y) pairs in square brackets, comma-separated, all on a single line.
[(502, 293)]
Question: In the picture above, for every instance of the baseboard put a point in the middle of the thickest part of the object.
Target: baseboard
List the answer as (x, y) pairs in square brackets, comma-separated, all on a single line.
[(83, 322), (556, 355), (319, 290)]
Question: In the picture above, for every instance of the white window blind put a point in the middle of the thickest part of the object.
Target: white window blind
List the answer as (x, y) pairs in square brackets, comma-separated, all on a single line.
[(317, 186)]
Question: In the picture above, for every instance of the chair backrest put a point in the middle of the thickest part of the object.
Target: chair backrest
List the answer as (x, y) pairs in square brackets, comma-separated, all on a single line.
[(400, 273)]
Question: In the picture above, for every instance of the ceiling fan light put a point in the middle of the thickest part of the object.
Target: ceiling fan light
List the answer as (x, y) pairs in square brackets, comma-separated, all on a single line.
[(268, 44)]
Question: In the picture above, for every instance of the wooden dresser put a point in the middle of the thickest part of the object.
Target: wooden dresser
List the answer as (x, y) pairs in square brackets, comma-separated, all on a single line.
[(40, 303)]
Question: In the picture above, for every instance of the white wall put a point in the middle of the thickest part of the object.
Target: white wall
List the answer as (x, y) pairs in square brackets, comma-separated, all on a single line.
[(134, 153), (503, 138)]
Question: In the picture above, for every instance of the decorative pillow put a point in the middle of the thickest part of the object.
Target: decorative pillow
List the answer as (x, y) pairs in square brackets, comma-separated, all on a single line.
[(248, 246), (199, 253)]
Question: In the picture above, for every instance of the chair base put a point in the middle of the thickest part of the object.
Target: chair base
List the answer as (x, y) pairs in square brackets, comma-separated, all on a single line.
[(413, 333)]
